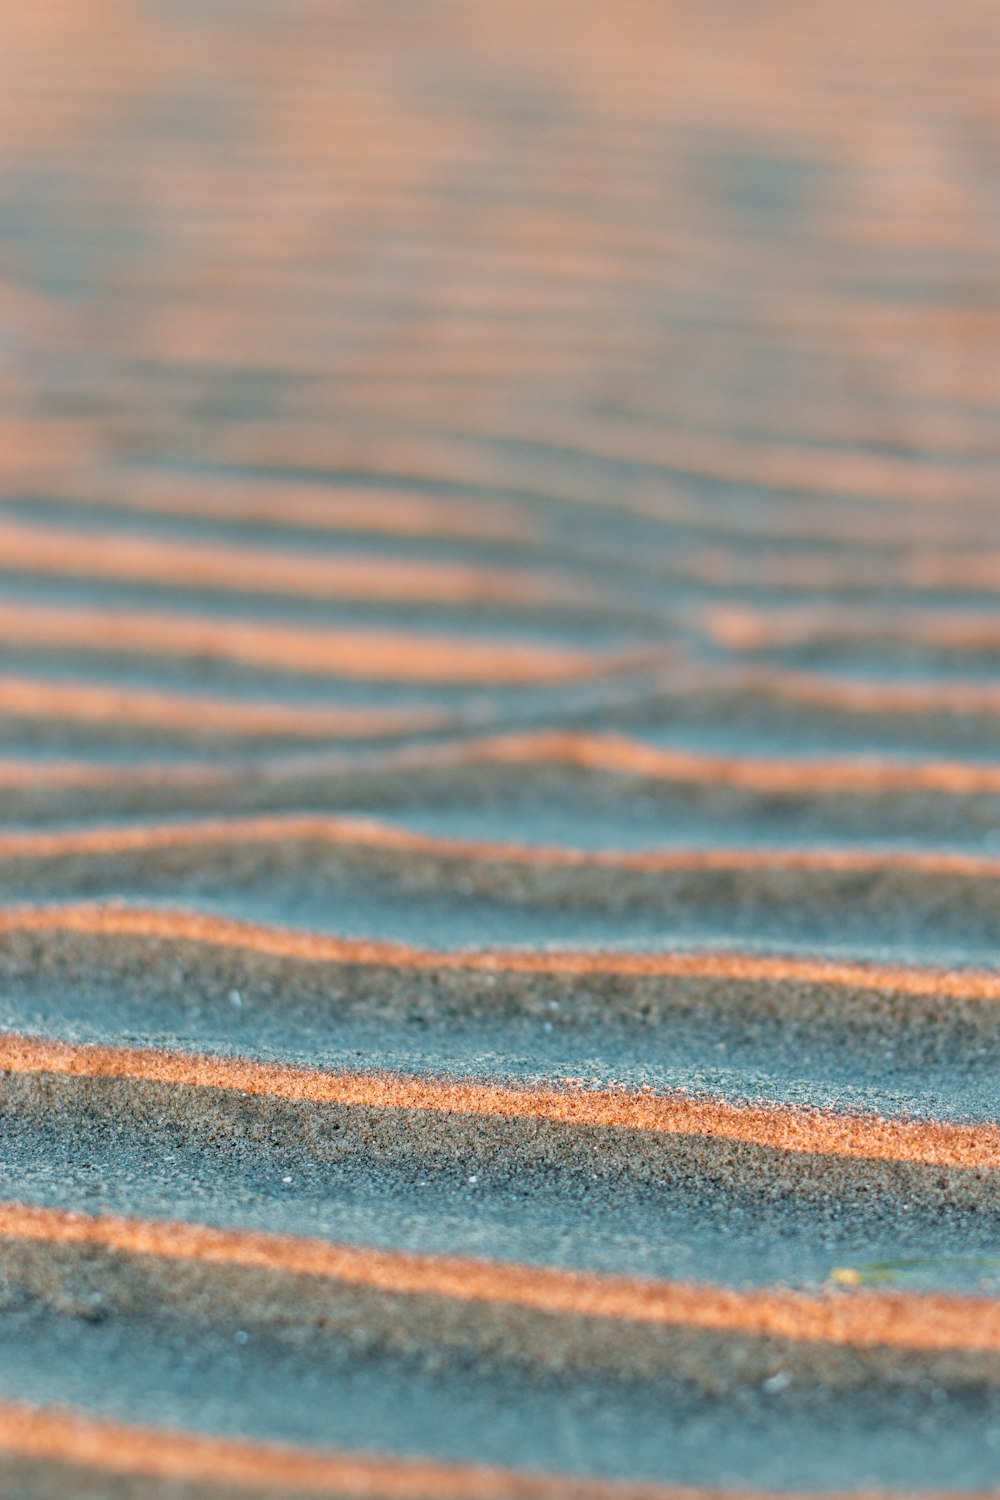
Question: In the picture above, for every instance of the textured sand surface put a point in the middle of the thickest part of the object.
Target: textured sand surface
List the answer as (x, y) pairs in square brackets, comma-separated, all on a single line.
[(499, 794)]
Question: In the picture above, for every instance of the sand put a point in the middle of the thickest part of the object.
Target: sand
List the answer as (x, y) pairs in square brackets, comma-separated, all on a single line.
[(499, 804)]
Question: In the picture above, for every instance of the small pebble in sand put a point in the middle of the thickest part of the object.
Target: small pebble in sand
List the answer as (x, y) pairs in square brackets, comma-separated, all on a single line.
[(236, 999), (845, 1276), (286, 1179), (473, 1179), (776, 1383)]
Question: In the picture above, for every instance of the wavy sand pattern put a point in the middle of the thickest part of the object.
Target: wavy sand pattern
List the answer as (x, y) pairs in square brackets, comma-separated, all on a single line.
[(499, 804)]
